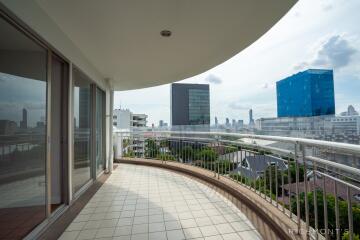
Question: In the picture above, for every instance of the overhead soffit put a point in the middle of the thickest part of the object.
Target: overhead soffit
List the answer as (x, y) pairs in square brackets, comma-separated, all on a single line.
[(122, 38)]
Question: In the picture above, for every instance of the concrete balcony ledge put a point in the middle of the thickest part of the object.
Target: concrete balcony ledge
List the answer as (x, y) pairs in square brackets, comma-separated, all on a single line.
[(269, 219)]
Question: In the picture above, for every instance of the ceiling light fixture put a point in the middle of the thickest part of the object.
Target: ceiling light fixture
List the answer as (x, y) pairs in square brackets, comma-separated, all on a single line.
[(165, 33)]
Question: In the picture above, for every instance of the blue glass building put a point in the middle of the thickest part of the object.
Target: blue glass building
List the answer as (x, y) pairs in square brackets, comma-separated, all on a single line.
[(306, 94)]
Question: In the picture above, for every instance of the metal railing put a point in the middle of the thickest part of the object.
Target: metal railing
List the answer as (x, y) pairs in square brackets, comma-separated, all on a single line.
[(314, 183)]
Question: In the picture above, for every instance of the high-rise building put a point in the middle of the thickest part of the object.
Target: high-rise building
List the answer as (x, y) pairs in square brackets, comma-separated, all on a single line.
[(305, 94), (227, 123), (161, 123), (23, 122), (251, 119), (240, 123), (190, 104), (233, 123), (216, 121)]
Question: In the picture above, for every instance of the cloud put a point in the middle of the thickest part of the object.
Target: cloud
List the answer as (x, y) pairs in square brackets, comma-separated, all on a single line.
[(268, 86), (2, 79), (238, 106), (265, 86), (334, 52), (301, 66), (327, 7), (35, 105), (20, 105), (213, 79), (297, 14)]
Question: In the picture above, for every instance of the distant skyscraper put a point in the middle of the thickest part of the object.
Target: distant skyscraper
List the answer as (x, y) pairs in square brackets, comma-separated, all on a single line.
[(216, 121), (227, 122), (305, 94), (161, 123), (251, 119), (350, 111), (190, 104), (23, 123), (233, 123), (240, 123)]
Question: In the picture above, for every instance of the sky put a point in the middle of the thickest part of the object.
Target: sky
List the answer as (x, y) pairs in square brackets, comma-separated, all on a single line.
[(313, 34), (15, 95)]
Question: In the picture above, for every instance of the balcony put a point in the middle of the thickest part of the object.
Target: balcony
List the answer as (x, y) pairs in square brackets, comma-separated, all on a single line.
[(59, 69), (141, 202), (276, 185)]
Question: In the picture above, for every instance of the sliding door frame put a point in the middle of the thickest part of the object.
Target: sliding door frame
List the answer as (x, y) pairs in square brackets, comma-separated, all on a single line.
[(97, 174)]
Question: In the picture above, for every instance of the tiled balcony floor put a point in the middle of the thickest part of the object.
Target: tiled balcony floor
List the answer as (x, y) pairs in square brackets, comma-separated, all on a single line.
[(139, 202)]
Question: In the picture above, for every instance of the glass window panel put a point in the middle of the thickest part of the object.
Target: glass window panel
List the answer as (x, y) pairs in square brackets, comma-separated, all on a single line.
[(23, 89), (199, 106), (82, 130)]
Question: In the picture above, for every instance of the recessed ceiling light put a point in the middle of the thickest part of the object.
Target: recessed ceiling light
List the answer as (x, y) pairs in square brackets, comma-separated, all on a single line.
[(165, 33)]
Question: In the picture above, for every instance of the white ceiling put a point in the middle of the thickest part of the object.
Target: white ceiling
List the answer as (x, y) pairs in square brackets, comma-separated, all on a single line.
[(121, 38)]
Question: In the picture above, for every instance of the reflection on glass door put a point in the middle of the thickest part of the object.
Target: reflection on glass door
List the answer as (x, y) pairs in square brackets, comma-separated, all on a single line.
[(99, 130), (23, 86), (82, 130)]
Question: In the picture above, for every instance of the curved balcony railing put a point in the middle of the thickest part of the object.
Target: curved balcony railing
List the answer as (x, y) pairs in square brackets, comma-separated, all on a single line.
[(315, 184)]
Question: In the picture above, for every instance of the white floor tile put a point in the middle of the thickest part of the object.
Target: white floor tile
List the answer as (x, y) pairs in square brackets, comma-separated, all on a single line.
[(143, 203)]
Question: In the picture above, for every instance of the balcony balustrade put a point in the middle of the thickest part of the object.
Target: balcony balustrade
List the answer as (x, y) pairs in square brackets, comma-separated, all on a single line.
[(307, 189)]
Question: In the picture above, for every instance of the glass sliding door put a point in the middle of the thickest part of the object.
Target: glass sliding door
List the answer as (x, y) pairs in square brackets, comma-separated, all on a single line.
[(99, 130), (82, 130), (23, 101)]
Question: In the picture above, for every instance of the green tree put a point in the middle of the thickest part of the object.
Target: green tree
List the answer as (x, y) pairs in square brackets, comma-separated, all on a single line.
[(206, 154), (330, 200), (166, 157), (152, 149), (186, 153), (130, 153), (347, 237)]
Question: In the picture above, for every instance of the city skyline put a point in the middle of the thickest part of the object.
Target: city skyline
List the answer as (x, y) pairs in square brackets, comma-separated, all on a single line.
[(248, 79)]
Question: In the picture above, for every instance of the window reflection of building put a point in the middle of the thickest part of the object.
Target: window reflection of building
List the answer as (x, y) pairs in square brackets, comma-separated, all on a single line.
[(7, 127), (23, 123), (84, 106)]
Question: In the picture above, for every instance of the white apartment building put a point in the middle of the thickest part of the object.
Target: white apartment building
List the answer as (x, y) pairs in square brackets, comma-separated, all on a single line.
[(346, 124), (125, 119)]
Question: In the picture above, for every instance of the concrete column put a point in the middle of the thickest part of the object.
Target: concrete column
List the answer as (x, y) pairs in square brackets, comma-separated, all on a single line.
[(118, 145), (111, 144)]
